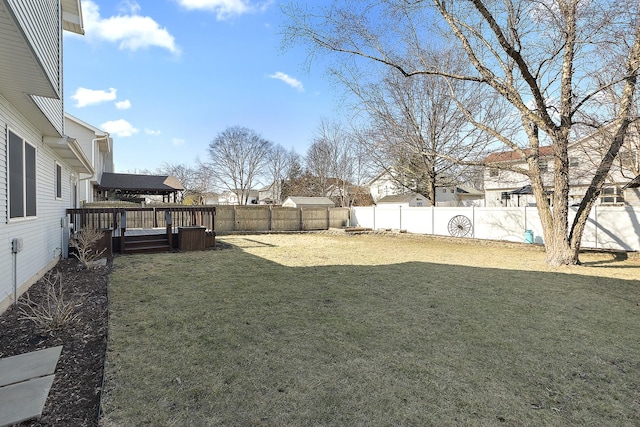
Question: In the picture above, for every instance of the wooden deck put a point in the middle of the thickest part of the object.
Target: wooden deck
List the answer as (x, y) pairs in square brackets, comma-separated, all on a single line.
[(161, 229)]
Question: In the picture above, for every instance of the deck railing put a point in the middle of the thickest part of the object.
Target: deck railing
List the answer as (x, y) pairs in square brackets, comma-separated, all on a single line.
[(120, 219)]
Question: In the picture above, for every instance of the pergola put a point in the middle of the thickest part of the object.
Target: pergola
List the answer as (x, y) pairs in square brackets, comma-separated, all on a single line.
[(128, 186)]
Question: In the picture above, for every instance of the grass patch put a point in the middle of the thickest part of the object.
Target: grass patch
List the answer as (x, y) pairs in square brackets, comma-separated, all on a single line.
[(372, 330)]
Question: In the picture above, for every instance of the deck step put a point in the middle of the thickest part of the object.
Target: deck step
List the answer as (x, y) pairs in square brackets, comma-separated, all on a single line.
[(146, 244), (147, 249)]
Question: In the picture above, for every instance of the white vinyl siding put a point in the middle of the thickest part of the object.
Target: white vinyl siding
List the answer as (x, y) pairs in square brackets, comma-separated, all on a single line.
[(41, 235), (41, 23)]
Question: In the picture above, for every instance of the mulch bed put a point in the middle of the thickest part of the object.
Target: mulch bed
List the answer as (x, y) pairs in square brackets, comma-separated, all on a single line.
[(74, 399)]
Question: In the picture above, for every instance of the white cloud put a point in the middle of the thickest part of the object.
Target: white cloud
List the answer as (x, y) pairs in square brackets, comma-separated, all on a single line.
[(293, 82), (121, 128), (84, 96), (178, 142), (123, 105), (129, 7), (225, 9), (129, 30), (152, 132)]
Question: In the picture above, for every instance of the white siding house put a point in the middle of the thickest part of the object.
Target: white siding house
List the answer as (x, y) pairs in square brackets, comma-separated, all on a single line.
[(98, 147), (385, 184), (510, 189), (411, 200), (308, 202), (39, 165)]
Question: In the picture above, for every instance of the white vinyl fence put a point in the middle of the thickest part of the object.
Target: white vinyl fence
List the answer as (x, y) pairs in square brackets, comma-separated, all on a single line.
[(614, 227)]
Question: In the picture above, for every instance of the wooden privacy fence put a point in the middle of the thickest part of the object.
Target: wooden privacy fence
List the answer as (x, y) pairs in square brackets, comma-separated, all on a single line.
[(276, 218)]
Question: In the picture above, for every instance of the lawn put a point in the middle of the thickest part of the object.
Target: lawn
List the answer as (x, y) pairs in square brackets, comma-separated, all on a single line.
[(372, 330)]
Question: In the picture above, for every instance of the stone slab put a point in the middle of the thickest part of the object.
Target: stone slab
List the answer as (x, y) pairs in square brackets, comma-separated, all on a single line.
[(28, 365), (23, 400)]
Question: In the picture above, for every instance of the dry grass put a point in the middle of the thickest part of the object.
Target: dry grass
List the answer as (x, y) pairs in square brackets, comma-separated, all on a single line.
[(318, 329)]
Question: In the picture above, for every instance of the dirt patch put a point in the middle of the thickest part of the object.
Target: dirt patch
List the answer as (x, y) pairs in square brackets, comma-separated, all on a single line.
[(74, 399)]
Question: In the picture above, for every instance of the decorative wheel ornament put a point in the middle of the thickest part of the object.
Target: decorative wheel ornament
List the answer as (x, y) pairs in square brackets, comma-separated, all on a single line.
[(459, 226)]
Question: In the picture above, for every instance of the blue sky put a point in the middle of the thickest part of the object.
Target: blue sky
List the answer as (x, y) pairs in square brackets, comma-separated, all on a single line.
[(164, 77)]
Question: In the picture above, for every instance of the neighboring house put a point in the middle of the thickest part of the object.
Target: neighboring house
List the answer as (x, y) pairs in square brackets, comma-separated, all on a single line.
[(308, 202), (269, 194), (139, 188), (208, 198), (98, 146), (459, 195), (231, 198), (385, 184), (40, 166), (411, 200), (507, 188)]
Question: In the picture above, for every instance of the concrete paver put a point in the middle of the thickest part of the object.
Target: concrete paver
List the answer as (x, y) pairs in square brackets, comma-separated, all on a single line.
[(25, 381)]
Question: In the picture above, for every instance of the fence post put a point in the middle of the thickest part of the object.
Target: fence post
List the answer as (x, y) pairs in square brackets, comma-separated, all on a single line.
[(270, 217), (400, 217), (595, 213), (433, 220), (374, 217), (328, 218), (301, 219)]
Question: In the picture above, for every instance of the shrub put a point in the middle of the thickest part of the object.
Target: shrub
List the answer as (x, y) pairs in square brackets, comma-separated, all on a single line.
[(85, 243), (53, 313)]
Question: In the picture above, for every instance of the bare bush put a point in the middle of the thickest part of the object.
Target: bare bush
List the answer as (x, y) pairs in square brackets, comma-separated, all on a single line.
[(53, 313), (85, 244)]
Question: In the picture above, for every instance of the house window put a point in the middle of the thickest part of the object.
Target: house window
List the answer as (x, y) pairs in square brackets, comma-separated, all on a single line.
[(611, 195), (22, 177), (58, 181), (574, 162), (544, 166), (493, 172)]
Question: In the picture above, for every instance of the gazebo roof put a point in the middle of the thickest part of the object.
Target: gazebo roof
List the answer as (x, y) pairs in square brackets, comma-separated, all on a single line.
[(140, 184)]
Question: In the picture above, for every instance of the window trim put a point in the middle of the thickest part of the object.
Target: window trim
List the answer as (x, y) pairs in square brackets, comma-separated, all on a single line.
[(611, 195), (29, 197), (543, 165)]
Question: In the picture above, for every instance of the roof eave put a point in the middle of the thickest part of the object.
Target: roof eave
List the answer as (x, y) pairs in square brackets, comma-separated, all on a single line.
[(72, 16)]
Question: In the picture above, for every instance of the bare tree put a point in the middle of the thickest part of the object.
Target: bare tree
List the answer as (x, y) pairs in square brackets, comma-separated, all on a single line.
[(295, 183), (551, 61), (279, 165), (416, 128), (318, 166), (238, 160), (196, 180)]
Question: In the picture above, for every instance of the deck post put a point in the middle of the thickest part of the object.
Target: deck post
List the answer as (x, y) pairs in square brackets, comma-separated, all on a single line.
[(167, 218), (123, 228)]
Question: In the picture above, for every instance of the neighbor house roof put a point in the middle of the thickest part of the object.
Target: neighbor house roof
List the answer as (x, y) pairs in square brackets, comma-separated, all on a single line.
[(148, 184), (509, 156), (400, 198), (309, 201)]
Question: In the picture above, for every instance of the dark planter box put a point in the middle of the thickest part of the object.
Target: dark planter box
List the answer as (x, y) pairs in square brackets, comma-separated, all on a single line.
[(191, 238)]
